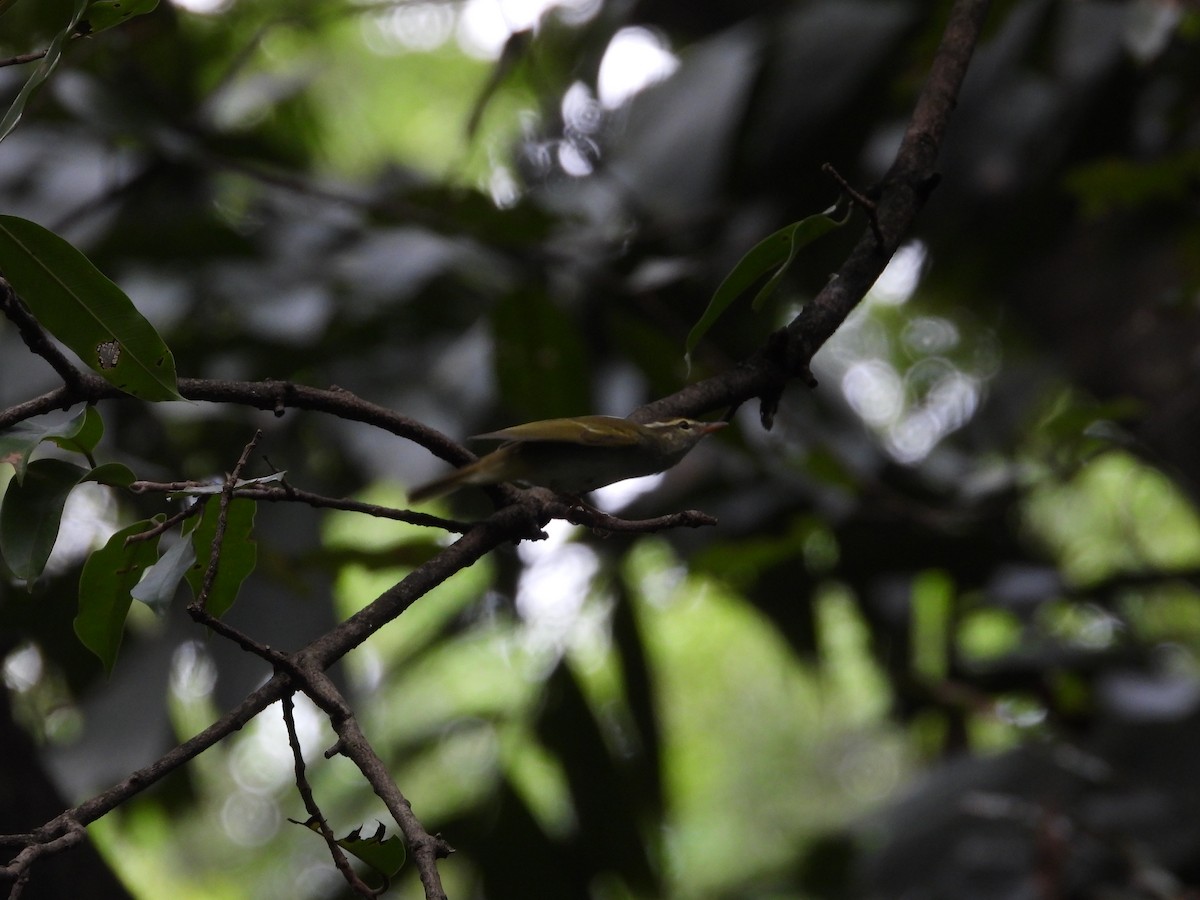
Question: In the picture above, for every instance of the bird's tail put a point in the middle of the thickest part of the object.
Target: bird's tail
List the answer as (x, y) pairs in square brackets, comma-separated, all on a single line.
[(439, 487), (472, 473)]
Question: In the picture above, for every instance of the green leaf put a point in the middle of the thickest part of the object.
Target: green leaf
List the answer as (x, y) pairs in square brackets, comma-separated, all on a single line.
[(112, 474), (80, 433), (160, 582), (73, 300), (773, 254), (384, 856), (105, 14), (45, 67), (238, 553), (33, 507), (31, 514), (105, 587), (85, 437)]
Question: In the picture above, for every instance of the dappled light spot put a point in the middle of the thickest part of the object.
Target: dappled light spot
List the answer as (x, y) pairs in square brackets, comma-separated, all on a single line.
[(89, 519), (23, 668), (249, 820), (580, 111), (946, 407), (615, 497), (573, 159), (635, 59), (874, 390), (913, 382), (552, 593), (419, 27), (503, 187), (193, 672), (911, 439), (903, 273), (930, 334), (484, 26), (203, 7)]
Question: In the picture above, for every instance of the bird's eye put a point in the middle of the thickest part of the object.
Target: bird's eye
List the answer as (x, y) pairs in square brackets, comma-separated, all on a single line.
[(685, 425)]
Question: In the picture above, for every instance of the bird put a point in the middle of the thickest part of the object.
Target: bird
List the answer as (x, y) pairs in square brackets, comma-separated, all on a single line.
[(575, 455)]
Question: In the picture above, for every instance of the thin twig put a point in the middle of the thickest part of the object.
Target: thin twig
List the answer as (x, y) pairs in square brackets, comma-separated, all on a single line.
[(287, 493), (275, 658), (36, 339), (19, 869), (214, 557), (22, 58), (188, 512), (426, 848), (318, 501), (314, 811), (862, 201), (593, 518), (900, 196)]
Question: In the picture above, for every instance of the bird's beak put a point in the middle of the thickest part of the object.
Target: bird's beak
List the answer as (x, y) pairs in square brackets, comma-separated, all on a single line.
[(710, 427)]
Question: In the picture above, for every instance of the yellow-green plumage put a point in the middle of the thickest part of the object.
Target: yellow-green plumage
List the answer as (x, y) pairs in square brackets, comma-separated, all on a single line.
[(575, 455)]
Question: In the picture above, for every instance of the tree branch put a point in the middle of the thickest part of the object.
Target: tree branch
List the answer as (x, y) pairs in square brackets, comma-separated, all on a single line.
[(764, 374), (289, 494), (314, 811), (901, 195), (426, 848), (505, 525), (214, 556), (22, 58), (274, 396), (35, 338)]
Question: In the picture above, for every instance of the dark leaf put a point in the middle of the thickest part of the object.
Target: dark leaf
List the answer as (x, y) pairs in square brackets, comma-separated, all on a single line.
[(105, 587), (43, 70), (237, 557), (774, 254), (31, 514), (76, 303), (80, 433), (384, 855)]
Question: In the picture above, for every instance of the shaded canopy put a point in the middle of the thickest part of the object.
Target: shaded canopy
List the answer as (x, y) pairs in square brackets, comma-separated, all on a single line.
[(968, 554)]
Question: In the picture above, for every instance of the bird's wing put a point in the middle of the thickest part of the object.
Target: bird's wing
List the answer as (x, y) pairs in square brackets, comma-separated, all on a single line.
[(598, 431)]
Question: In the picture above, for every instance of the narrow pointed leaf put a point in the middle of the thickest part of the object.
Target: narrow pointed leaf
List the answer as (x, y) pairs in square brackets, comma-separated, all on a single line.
[(44, 68), (32, 512), (774, 254), (161, 581), (799, 236), (76, 303), (238, 553), (105, 587)]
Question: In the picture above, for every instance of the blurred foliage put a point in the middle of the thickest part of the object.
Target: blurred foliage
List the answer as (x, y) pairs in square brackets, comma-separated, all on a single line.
[(943, 642)]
